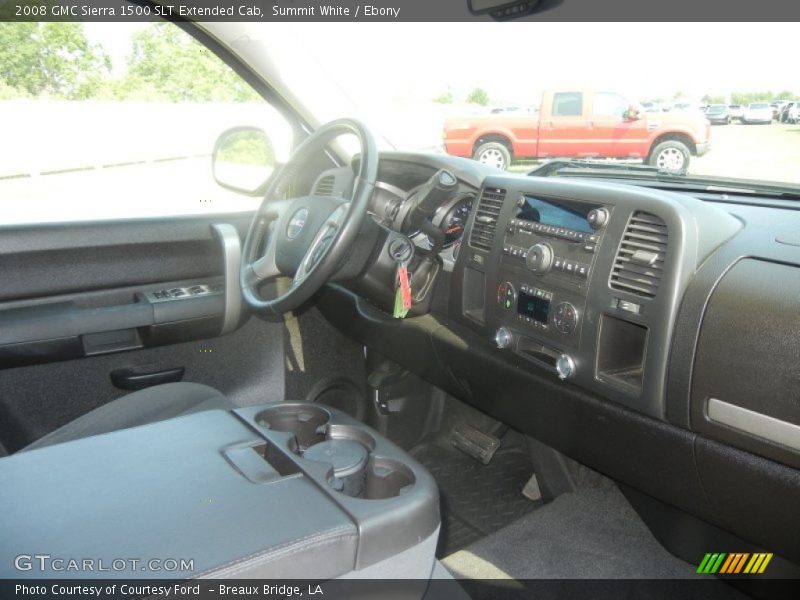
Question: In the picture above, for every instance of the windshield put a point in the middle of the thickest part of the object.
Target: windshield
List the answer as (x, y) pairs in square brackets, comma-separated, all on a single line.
[(432, 96), (419, 86)]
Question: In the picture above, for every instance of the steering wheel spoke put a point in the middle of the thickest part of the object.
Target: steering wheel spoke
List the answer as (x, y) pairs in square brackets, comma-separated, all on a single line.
[(321, 243), (265, 267)]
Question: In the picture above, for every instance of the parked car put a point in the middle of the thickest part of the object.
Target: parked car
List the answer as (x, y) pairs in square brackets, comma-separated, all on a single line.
[(718, 114), (757, 112), (581, 124), (777, 107), (793, 115), (682, 106), (736, 111), (785, 116)]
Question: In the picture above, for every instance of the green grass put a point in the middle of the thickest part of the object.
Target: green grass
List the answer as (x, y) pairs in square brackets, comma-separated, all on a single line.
[(522, 166)]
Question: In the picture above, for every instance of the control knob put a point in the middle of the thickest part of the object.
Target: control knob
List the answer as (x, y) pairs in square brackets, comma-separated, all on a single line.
[(539, 258), (597, 218), (503, 338), (565, 318), (506, 295), (565, 366)]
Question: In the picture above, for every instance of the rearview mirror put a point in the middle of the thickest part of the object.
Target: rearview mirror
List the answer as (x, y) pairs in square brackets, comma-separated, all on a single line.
[(243, 160), (502, 9)]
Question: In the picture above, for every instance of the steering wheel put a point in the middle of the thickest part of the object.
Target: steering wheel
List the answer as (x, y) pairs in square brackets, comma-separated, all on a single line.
[(309, 237)]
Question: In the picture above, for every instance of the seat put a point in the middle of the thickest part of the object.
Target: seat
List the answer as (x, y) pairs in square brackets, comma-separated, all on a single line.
[(139, 408)]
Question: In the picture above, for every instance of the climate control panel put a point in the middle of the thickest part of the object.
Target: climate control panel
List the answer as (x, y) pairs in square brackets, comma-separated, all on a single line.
[(536, 309)]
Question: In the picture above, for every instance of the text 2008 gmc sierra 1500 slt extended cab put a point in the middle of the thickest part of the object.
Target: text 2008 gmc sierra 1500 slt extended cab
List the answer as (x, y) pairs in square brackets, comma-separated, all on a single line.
[(582, 124)]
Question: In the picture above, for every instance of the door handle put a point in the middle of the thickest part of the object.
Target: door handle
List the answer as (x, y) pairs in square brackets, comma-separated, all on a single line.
[(230, 243), (133, 379)]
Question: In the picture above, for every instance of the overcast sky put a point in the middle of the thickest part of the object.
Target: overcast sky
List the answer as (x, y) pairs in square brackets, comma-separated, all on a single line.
[(515, 61)]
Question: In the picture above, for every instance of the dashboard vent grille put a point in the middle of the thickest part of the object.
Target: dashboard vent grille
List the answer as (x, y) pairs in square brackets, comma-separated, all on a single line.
[(639, 263), (325, 186), (486, 216)]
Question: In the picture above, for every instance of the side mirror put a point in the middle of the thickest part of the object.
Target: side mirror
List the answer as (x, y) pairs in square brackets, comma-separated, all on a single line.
[(632, 114), (243, 160)]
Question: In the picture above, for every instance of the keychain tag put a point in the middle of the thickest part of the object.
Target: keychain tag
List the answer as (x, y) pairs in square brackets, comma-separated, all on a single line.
[(402, 296)]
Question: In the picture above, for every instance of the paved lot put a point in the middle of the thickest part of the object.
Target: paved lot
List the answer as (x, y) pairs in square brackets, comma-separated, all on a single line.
[(766, 152), (752, 152)]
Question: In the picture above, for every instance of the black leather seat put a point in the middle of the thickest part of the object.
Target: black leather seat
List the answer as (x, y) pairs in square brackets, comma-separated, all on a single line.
[(139, 408)]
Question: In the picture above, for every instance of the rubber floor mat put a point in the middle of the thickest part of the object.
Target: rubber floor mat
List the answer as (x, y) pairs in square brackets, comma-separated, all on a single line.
[(476, 499)]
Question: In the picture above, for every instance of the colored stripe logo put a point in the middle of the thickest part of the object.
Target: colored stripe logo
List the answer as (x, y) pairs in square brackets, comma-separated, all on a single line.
[(734, 563)]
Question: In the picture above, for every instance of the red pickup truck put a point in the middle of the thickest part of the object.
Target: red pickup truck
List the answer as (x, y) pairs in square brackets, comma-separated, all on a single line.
[(581, 124)]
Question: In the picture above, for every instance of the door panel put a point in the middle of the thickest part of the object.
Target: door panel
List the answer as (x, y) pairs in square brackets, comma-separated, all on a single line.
[(563, 127), (105, 287), (99, 268), (80, 292), (616, 137), (47, 260), (246, 365)]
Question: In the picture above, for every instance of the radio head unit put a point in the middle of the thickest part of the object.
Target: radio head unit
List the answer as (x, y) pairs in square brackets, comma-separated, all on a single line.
[(561, 214)]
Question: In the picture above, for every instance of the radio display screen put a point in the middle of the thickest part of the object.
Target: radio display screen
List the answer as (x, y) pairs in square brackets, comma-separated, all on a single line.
[(557, 215), (531, 306)]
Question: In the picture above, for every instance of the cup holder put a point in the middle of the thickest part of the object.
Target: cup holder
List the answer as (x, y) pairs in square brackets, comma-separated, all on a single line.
[(355, 475), (386, 478), (306, 422), (347, 432), (355, 471), (348, 460)]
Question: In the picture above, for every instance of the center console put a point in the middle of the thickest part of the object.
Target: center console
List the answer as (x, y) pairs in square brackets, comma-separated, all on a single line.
[(549, 248), (285, 490), (584, 279)]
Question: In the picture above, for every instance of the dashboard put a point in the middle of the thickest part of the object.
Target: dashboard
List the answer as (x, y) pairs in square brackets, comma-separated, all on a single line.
[(650, 334), (583, 280)]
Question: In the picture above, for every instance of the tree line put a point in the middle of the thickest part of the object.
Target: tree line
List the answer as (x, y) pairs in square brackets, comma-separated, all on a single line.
[(481, 97), (57, 60), (477, 96)]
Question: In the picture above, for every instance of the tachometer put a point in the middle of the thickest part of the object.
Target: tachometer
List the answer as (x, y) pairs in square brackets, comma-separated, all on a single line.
[(455, 220)]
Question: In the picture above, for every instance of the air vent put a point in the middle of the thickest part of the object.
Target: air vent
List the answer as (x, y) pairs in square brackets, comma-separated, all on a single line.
[(485, 223), (325, 186), (639, 263)]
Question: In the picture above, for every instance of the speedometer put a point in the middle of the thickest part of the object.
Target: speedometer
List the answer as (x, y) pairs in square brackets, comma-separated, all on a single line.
[(455, 221)]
